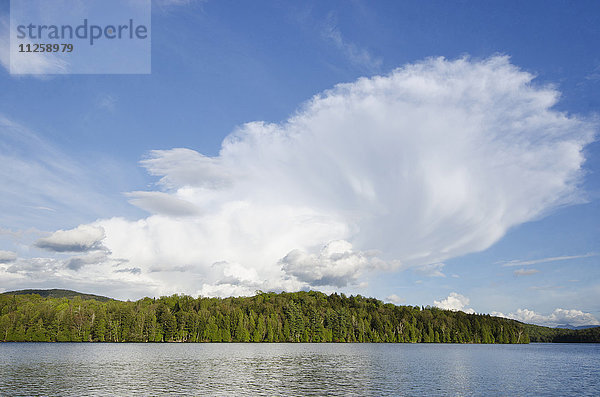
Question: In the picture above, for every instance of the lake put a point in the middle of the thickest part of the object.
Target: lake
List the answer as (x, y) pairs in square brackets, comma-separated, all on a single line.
[(71, 369)]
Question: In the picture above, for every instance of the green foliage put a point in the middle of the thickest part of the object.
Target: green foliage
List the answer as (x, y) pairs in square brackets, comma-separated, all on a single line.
[(267, 317)]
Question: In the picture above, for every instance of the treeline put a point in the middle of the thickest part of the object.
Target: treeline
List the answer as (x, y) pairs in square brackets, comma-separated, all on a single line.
[(562, 335), (265, 317)]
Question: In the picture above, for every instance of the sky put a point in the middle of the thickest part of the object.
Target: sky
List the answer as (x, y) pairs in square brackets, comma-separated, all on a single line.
[(439, 153)]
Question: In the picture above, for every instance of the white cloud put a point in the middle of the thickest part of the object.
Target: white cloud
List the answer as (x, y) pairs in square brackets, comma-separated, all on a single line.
[(518, 262), (7, 256), (525, 272), (556, 318), (395, 299), (436, 160), (337, 264), (81, 239), (454, 302)]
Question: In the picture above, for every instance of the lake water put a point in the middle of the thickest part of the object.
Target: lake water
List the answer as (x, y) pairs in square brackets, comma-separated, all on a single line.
[(70, 369)]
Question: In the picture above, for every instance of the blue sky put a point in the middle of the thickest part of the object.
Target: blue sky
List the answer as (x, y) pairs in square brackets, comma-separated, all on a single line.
[(304, 198)]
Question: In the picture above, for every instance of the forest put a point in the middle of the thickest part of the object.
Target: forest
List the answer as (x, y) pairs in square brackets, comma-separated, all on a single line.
[(67, 316)]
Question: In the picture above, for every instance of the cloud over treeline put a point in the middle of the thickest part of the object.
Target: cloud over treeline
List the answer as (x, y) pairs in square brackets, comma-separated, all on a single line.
[(558, 317)]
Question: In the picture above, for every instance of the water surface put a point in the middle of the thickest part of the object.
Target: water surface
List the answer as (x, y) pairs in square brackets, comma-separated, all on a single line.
[(130, 369)]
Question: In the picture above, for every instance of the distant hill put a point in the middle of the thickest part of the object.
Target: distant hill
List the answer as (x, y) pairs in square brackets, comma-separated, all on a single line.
[(562, 335), (569, 326), (58, 293)]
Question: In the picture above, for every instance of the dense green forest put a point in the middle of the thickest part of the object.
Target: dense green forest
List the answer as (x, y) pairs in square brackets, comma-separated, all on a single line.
[(266, 317)]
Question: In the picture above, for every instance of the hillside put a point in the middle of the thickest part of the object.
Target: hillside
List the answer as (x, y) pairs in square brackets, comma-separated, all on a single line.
[(58, 293)]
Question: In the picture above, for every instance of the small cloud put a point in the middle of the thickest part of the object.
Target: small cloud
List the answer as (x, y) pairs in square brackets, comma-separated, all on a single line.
[(107, 102), (545, 287), (81, 239), (395, 299), (7, 256), (454, 302), (525, 272)]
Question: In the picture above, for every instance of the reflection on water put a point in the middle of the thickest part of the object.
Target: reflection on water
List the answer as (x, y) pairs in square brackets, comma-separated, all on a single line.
[(68, 369)]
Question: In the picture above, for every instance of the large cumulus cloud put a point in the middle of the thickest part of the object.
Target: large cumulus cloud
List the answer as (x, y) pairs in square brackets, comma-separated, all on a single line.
[(435, 160)]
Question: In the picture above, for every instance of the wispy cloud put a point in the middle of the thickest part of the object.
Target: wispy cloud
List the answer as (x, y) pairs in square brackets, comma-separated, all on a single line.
[(107, 102), (358, 56), (518, 262), (594, 75), (546, 287), (43, 186), (430, 270), (525, 272)]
